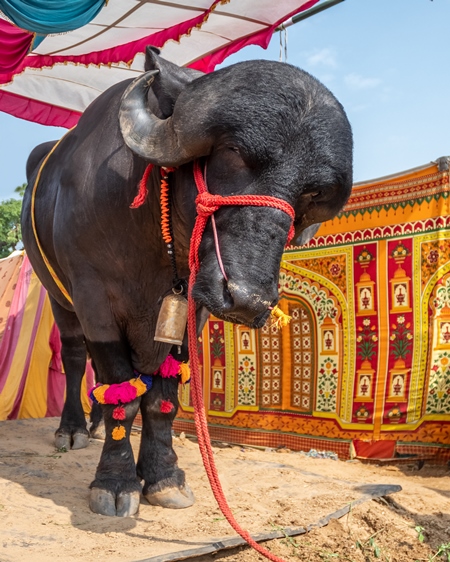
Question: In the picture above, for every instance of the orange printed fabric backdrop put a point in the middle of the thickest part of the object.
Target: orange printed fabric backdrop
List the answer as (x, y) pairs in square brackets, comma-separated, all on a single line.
[(366, 356)]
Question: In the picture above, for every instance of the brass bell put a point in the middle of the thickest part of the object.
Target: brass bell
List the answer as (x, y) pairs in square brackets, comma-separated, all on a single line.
[(172, 320)]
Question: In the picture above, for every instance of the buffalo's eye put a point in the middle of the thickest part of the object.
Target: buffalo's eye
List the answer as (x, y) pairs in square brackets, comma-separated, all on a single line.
[(312, 190), (228, 172)]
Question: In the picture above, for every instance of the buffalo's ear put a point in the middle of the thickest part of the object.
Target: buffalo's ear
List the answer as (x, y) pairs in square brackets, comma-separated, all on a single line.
[(149, 50), (303, 236), (170, 80)]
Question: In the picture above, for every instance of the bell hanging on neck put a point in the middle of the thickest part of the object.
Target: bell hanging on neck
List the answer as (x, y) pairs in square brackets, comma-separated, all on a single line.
[(172, 320)]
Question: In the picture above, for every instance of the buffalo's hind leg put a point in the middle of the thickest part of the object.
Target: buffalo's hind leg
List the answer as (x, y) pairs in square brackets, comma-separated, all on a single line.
[(72, 432), (165, 483), (97, 429)]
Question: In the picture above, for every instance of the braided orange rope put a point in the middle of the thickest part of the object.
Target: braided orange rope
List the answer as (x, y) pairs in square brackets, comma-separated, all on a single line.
[(165, 210)]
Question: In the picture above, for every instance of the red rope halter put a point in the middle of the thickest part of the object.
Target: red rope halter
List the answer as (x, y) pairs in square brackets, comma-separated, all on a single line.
[(207, 204)]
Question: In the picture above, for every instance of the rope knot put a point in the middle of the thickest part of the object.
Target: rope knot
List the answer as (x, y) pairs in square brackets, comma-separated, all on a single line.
[(207, 204)]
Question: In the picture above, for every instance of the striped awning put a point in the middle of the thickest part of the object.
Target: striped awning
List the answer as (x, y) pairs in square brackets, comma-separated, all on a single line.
[(64, 72)]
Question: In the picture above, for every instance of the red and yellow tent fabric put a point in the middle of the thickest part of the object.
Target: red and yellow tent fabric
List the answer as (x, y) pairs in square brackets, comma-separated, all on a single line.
[(32, 382)]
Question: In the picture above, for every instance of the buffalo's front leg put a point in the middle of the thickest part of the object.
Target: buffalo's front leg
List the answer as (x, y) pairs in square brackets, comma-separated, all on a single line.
[(165, 483), (116, 489)]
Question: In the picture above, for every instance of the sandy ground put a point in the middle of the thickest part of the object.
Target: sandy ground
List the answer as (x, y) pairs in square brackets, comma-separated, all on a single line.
[(44, 513)]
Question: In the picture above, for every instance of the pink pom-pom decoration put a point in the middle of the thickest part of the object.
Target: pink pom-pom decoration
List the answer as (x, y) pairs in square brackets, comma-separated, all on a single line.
[(123, 392), (170, 367), (166, 406)]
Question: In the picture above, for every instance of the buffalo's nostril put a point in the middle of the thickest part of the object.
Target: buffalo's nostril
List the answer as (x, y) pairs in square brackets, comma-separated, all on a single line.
[(227, 296), (245, 302)]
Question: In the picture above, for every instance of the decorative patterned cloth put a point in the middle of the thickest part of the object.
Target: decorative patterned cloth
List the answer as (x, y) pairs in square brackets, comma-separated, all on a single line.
[(367, 353)]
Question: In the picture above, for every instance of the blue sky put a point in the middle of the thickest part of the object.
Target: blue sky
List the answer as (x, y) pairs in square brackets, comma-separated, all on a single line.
[(387, 61)]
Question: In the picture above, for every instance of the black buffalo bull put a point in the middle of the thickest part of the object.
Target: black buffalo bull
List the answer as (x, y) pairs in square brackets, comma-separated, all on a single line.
[(257, 127)]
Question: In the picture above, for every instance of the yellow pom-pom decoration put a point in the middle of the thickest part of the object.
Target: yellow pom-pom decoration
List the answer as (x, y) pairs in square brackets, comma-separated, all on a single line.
[(99, 393), (185, 372), (140, 386), (118, 433), (280, 319)]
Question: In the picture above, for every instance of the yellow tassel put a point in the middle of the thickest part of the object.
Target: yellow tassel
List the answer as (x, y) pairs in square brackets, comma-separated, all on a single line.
[(185, 372), (118, 433), (139, 386), (279, 318), (99, 393)]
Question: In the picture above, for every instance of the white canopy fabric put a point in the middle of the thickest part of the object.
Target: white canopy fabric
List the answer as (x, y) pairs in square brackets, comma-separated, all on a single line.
[(58, 79)]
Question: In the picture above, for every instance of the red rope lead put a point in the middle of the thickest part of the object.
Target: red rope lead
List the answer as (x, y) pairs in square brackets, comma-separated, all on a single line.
[(206, 205), (201, 424)]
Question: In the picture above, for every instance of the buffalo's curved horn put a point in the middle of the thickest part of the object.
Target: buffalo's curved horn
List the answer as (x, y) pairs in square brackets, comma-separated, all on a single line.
[(145, 134), (306, 235)]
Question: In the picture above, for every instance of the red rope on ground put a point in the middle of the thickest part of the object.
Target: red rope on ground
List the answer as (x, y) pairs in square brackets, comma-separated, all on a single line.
[(206, 205)]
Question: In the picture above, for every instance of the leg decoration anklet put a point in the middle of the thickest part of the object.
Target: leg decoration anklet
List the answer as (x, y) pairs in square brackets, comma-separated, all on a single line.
[(120, 393), (124, 392)]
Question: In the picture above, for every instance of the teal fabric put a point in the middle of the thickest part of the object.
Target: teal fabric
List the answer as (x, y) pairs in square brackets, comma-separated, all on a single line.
[(51, 16), (37, 40)]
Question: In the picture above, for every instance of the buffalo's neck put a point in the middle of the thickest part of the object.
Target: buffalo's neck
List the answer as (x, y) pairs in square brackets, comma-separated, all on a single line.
[(142, 242), (184, 193)]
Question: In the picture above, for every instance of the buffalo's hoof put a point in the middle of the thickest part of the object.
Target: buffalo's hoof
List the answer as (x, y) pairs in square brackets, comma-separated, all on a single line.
[(66, 440), (63, 440), (80, 440), (127, 504), (172, 498), (98, 432), (105, 502)]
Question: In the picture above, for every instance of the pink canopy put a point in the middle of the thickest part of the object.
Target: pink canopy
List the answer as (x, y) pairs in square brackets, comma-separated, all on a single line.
[(57, 80)]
